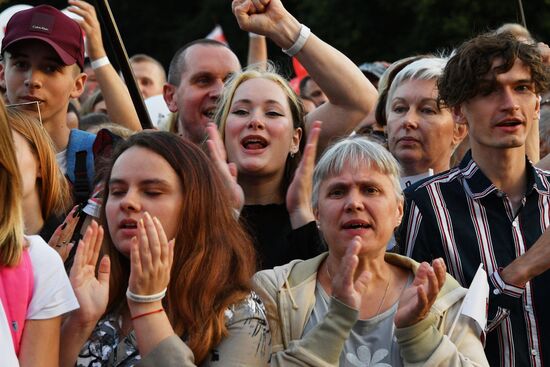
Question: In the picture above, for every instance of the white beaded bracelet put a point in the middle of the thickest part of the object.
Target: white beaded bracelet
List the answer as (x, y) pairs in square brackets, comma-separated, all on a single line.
[(145, 299), (305, 32), (102, 61)]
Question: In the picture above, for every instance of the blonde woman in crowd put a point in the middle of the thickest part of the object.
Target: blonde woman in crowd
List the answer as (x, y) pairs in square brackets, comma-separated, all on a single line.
[(34, 288), (46, 193)]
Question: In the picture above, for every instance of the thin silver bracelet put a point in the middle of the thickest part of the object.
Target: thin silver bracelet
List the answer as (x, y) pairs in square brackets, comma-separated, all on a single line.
[(145, 299)]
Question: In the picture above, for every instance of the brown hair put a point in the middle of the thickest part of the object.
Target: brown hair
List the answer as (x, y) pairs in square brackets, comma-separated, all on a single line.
[(466, 71), (53, 188), (214, 258), (11, 218)]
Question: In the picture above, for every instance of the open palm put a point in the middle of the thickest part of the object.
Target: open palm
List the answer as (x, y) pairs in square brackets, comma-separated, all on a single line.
[(418, 298), (91, 291)]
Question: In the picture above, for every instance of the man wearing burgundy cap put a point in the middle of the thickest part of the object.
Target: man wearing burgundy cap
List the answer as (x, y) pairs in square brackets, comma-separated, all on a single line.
[(43, 58)]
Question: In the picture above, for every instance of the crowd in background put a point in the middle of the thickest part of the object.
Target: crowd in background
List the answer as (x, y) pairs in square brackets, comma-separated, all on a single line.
[(388, 214)]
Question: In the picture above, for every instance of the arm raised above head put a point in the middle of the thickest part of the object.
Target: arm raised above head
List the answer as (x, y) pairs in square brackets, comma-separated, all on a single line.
[(350, 94), (120, 107)]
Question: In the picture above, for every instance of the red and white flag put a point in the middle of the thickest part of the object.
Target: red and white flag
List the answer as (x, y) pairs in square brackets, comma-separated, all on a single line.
[(217, 34)]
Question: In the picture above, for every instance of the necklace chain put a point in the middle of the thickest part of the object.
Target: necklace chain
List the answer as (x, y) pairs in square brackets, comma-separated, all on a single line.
[(383, 296)]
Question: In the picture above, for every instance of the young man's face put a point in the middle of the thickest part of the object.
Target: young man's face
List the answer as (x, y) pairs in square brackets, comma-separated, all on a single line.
[(314, 92), (33, 72), (502, 115), (149, 77)]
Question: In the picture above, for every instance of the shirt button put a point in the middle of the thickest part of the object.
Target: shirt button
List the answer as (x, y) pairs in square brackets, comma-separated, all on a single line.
[(500, 194), (515, 224), (496, 292), (534, 352)]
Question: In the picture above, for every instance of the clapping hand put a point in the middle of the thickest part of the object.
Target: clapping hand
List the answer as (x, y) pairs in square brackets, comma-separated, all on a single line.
[(92, 292), (418, 298), (345, 286), (228, 171), (298, 197), (151, 258)]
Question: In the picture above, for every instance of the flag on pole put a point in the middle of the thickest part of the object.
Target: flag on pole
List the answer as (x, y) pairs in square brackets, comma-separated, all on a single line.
[(217, 34)]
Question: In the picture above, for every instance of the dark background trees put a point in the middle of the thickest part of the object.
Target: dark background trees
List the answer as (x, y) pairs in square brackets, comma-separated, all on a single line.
[(365, 30)]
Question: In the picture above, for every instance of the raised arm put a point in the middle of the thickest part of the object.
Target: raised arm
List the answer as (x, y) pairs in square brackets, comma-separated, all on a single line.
[(120, 107), (257, 50), (351, 96)]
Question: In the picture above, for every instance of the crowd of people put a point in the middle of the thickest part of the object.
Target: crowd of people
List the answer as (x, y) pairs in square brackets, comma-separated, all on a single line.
[(372, 215)]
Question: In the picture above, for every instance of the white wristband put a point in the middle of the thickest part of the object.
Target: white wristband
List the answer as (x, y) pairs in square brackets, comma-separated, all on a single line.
[(102, 61), (300, 42), (145, 299)]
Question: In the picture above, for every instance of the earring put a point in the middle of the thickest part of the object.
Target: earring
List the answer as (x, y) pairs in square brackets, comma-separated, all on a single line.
[(293, 151), (318, 225)]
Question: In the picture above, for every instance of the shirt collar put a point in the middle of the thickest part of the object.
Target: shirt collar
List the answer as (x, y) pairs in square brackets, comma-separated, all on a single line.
[(477, 185)]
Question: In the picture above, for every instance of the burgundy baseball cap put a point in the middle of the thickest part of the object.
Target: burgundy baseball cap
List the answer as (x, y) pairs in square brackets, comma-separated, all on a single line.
[(47, 24)]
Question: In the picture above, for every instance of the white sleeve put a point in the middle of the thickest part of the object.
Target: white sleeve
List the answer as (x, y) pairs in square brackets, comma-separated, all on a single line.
[(52, 294)]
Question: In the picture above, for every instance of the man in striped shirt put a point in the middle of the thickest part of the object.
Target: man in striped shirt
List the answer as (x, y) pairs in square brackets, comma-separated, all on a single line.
[(493, 208)]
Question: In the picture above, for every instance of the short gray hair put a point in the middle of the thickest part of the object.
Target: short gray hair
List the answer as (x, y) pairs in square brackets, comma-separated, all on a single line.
[(428, 68), (355, 152)]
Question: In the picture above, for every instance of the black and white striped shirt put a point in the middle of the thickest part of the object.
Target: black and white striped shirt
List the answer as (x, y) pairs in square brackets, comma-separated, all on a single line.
[(461, 216)]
